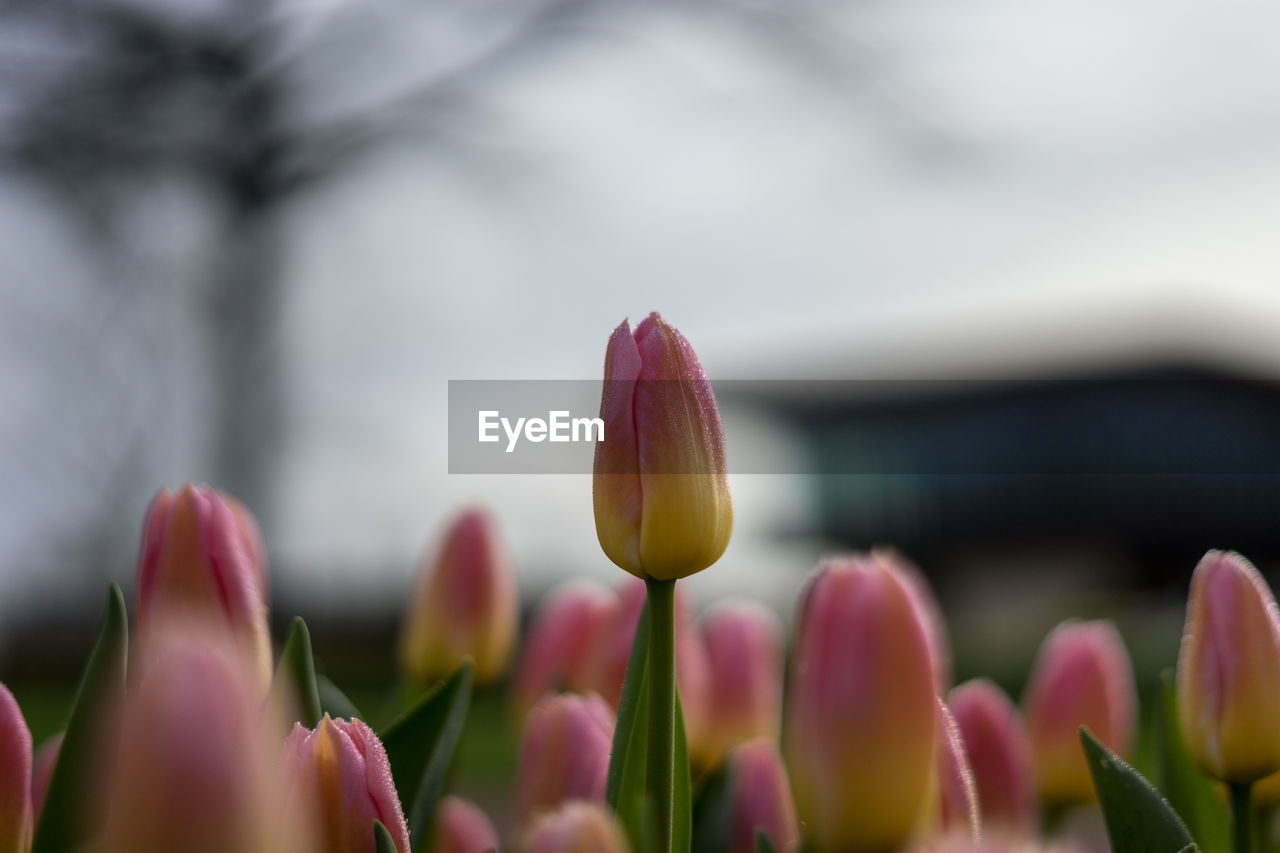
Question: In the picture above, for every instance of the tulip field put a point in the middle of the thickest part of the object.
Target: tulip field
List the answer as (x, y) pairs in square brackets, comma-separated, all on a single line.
[(642, 726)]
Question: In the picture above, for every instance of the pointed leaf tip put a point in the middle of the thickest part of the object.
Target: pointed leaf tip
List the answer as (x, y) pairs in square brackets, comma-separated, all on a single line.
[(1139, 819)]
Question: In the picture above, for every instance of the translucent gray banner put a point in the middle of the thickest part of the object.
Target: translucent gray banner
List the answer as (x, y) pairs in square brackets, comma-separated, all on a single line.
[(1199, 425)]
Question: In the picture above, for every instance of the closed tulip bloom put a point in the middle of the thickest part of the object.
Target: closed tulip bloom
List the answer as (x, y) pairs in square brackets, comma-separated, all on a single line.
[(861, 729), (1228, 682), (466, 605), (202, 561), (744, 656), (1000, 756), (760, 798), (16, 816), (576, 827), (957, 794), (46, 756), (935, 624), (1081, 677), (461, 827), (564, 752), (556, 648), (340, 770), (661, 491), (195, 769)]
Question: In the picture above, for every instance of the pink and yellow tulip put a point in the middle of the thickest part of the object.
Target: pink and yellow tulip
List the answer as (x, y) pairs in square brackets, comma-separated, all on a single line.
[(202, 562), (1228, 683), (559, 642), (1000, 756), (466, 605), (861, 729), (744, 655), (760, 798), (461, 827), (564, 752), (195, 768), (339, 776), (1081, 677), (661, 490)]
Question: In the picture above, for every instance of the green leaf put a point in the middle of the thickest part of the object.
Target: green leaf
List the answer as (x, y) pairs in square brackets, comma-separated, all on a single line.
[(70, 803), (382, 840), (633, 808), (295, 679), (420, 747), (682, 800), (625, 791), (1191, 792), (334, 702), (634, 695), (1139, 819), (764, 844)]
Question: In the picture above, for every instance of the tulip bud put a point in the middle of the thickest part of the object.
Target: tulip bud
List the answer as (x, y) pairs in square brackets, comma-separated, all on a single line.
[(861, 730), (564, 752), (461, 827), (760, 798), (1081, 677), (930, 612), (339, 771), (202, 561), (1000, 755), (957, 795), (743, 642), (559, 642), (465, 606), (15, 777), (576, 827), (42, 763), (1228, 682), (661, 492), (195, 769), (604, 666)]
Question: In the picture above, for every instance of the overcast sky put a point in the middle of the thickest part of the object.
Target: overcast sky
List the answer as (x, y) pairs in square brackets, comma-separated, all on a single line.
[(1097, 153)]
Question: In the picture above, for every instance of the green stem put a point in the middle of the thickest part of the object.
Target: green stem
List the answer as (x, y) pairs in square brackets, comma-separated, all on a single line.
[(660, 763), (1241, 821)]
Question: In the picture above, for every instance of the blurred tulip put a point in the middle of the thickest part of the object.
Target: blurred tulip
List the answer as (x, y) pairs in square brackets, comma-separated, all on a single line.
[(1228, 683), (576, 827), (957, 795), (661, 492), (16, 816), (760, 797), (931, 617), (195, 768), (1000, 755), (743, 642), (559, 641), (461, 827), (604, 666), (466, 605), (861, 727), (340, 770), (46, 757), (202, 561), (564, 752), (1081, 677)]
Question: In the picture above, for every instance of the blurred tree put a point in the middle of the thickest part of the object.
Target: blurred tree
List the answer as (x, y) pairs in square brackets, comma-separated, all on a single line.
[(255, 102)]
